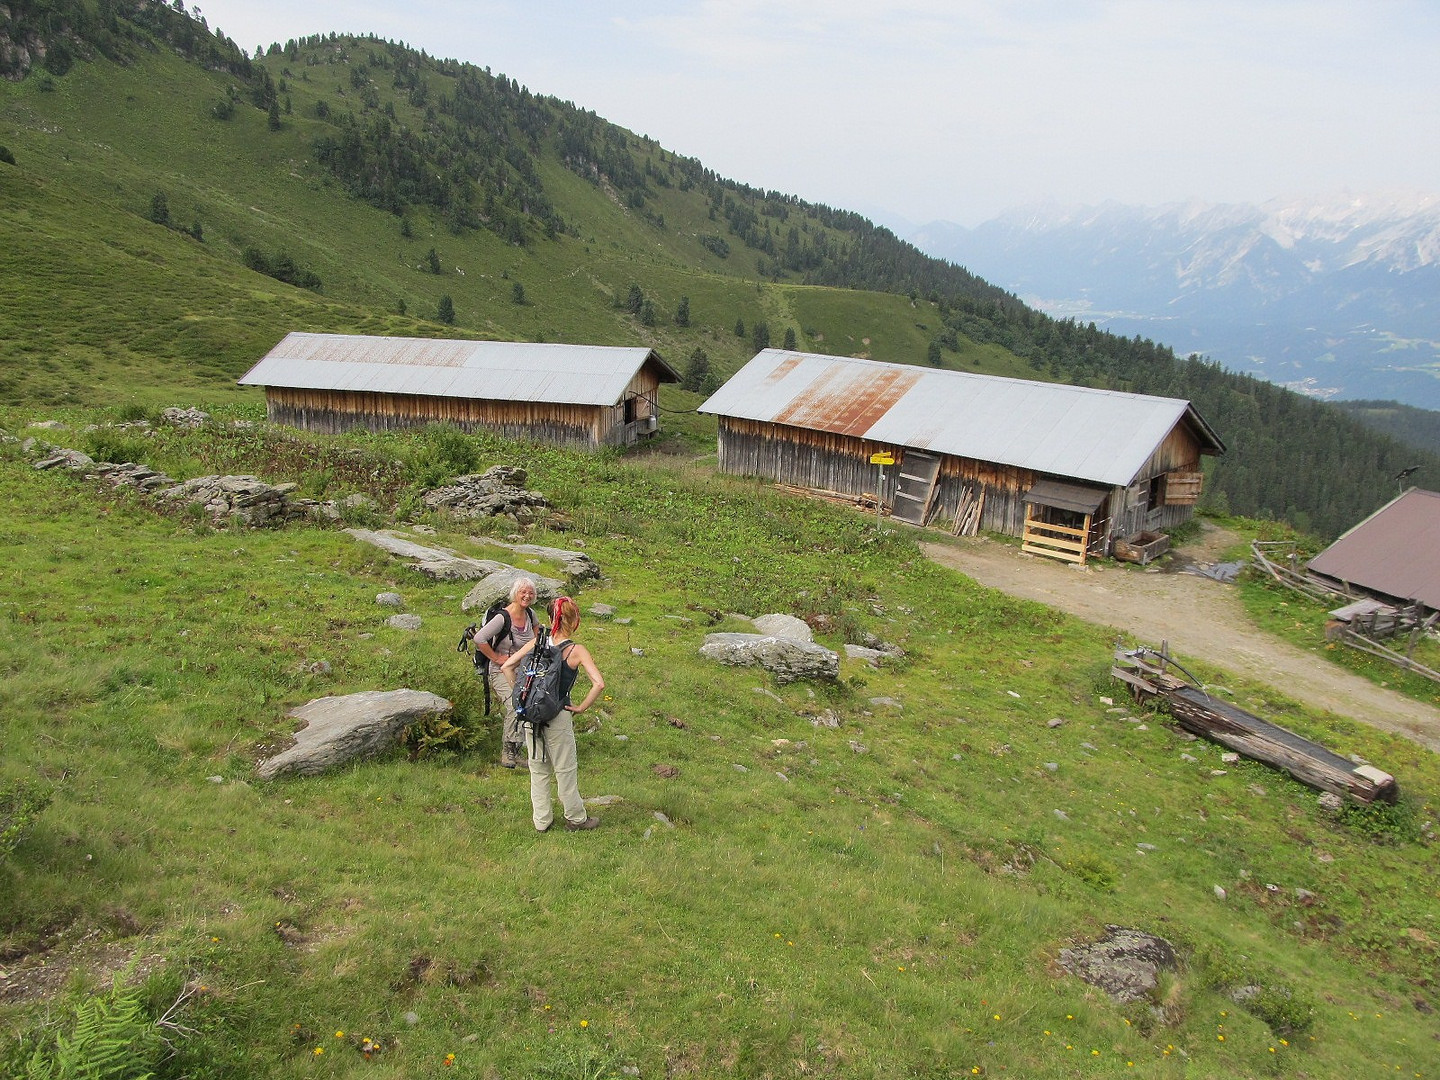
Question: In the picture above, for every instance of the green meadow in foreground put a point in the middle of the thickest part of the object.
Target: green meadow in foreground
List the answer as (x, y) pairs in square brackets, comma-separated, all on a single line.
[(885, 898)]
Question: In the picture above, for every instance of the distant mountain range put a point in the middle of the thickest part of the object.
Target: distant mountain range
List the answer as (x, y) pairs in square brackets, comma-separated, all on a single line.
[(1337, 298)]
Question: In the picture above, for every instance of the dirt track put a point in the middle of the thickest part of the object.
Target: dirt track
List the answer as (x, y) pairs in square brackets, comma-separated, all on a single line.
[(1198, 616)]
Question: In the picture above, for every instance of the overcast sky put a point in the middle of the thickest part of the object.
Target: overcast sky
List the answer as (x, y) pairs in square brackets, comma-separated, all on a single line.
[(922, 110)]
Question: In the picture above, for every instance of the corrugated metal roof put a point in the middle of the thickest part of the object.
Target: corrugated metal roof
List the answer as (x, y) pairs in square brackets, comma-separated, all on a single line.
[(1394, 552), (1100, 435), (1077, 497), (486, 370)]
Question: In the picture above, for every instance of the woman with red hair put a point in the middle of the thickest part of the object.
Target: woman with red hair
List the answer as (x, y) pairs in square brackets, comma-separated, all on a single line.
[(552, 752)]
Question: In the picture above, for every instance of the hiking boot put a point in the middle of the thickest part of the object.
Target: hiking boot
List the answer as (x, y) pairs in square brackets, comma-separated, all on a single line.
[(507, 755), (588, 823)]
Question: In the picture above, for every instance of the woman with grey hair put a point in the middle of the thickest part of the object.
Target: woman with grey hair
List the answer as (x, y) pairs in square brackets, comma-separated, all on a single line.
[(501, 637)]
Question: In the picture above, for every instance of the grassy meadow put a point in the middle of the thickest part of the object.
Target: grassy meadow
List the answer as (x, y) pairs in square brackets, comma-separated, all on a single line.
[(887, 898)]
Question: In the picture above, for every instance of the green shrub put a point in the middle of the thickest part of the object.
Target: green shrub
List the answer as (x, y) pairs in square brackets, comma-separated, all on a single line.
[(20, 804)]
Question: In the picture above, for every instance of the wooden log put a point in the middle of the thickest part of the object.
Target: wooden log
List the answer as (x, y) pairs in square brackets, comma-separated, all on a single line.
[(1199, 713)]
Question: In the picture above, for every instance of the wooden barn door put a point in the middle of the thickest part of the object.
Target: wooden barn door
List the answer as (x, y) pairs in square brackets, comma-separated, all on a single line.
[(915, 488)]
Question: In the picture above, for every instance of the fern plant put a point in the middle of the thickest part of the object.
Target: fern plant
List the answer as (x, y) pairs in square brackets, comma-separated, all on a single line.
[(113, 1038)]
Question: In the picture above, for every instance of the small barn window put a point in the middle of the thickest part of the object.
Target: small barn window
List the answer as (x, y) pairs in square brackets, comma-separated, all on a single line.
[(1157, 493), (630, 410)]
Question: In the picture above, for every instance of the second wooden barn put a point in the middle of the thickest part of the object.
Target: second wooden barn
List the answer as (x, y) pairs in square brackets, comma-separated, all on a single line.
[(1071, 469), (584, 396)]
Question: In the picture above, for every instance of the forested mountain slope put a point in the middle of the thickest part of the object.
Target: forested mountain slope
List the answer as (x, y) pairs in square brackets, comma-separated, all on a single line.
[(175, 207)]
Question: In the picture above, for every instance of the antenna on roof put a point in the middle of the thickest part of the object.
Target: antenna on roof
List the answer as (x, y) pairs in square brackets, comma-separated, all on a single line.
[(1403, 475)]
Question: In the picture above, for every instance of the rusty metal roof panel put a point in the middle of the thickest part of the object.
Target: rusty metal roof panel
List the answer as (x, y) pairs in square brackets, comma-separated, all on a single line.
[(1395, 552), (485, 370), (1100, 435)]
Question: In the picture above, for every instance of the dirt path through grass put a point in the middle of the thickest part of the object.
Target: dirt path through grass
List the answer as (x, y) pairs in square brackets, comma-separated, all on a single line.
[(1198, 616)]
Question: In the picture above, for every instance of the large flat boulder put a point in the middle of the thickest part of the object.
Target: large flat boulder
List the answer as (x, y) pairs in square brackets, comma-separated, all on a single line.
[(788, 659), (338, 730), (439, 563)]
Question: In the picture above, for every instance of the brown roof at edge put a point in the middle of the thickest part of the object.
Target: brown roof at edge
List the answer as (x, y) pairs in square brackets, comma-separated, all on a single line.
[(1395, 552)]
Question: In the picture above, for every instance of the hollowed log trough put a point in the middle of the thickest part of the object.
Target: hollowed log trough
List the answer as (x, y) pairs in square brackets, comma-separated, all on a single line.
[(1145, 671)]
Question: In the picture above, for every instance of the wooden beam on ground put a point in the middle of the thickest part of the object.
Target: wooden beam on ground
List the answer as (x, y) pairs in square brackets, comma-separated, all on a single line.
[(1198, 712)]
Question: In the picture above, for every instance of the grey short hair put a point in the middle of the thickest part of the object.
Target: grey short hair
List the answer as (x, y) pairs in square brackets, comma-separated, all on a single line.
[(518, 584)]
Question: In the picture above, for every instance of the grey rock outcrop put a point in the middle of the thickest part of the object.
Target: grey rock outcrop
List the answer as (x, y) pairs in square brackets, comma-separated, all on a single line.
[(578, 566), (246, 498), (784, 626), (439, 563), (342, 729), (497, 492), (1125, 963), (787, 659)]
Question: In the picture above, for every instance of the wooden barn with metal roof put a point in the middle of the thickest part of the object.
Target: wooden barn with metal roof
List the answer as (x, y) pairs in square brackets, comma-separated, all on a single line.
[(585, 396), (1070, 469)]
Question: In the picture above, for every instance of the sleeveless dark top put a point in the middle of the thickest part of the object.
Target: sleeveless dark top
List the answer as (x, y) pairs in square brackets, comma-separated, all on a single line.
[(567, 673)]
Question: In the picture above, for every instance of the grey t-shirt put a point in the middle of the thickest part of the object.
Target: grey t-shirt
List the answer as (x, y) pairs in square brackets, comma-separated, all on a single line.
[(510, 643)]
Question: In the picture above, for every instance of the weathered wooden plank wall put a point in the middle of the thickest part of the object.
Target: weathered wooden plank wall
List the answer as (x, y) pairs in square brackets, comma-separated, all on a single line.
[(331, 411), (819, 459)]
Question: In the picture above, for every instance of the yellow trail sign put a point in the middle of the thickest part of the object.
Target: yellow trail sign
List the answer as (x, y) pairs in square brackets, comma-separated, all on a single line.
[(882, 457)]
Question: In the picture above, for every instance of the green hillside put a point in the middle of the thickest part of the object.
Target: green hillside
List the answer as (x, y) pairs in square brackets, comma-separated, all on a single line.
[(345, 162), (872, 878)]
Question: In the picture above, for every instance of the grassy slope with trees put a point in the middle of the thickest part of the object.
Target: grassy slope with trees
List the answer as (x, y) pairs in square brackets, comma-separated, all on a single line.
[(892, 906), (349, 161)]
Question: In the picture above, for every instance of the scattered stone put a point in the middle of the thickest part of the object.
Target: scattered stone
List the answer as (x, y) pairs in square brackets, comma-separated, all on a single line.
[(1324, 857), (1142, 727), (740, 768), (601, 611), (826, 719), (338, 730), (1012, 693), (1090, 746), (782, 776), (412, 1018), (766, 692), (1107, 701), (1330, 802), (216, 779), (1060, 815), (423, 530), (1220, 893), (624, 622), (1189, 759), (1217, 772), (786, 659), (403, 622), (620, 738), (320, 667), (1054, 722), (666, 772), (859, 748), (1258, 791), (1116, 712), (1052, 766), (860, 652), (1305, 896), (660, 817), (1147, 847), (605, 800), (390, 599), (887, 702), (1230, 759)]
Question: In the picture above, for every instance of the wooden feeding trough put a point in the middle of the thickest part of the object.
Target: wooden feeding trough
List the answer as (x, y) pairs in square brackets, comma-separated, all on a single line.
[(1142, 547), (1146, 672)]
